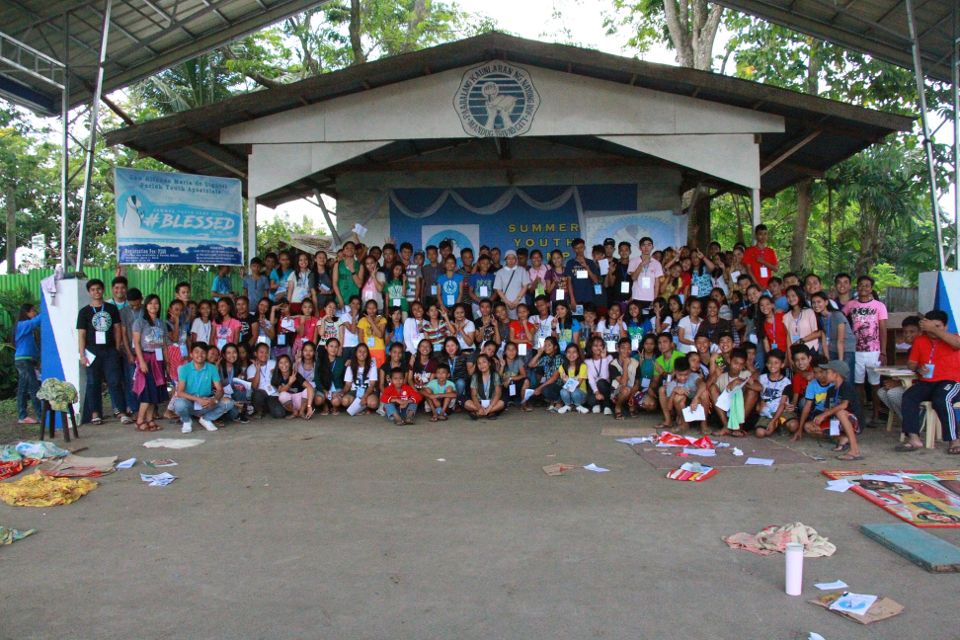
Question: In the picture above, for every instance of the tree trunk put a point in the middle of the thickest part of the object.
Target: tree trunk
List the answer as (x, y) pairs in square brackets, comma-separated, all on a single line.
[(700, 231), (869, 242), (11, 232), (798, 246), (356, 42)]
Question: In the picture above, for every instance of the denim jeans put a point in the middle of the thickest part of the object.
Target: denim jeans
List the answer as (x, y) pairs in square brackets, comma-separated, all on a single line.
[(27, 387), (575, 397), (106, 366), (184, 409), (391, 410)]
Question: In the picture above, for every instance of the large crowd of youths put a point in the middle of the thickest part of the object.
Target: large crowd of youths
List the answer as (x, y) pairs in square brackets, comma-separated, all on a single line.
[(698, 338)]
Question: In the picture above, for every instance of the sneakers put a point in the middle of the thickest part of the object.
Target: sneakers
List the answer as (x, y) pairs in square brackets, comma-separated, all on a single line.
[(206, 424), (243, 419), (125, 419), (563, 409), (596, 408), (187, 427), (607, 412), (583, 409)]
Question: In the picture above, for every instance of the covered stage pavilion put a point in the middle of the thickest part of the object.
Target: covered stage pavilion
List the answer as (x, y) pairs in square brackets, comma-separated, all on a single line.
[(490, 135)]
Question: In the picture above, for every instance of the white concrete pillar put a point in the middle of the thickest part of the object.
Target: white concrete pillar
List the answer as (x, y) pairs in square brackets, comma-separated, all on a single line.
[(755, 195), (251, 228)]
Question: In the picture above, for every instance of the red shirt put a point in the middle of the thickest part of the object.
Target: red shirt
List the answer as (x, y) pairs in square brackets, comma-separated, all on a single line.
[(391, 393), (944, 358), (750, 256), (776, 334), (799, 384)]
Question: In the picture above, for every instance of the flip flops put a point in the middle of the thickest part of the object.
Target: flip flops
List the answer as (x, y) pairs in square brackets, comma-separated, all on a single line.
[(905, 447), (849, 457)]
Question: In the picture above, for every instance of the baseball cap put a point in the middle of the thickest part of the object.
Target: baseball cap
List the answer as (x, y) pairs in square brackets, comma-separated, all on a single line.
[(841, 367), (610, 241)]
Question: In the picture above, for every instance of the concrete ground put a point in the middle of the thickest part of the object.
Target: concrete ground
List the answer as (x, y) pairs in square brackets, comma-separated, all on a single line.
[(352, 528)]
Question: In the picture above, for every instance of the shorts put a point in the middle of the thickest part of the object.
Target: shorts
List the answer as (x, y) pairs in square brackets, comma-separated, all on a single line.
[(763, 422), (854, 422), (865, 362)]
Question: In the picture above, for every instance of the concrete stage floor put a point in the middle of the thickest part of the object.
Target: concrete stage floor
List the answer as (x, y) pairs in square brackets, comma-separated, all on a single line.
[(351, 528)]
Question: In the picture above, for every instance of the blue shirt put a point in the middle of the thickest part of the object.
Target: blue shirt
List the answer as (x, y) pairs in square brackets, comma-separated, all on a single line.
[(478, 280), (565, 336), (817, 393), (257, 288), (781, 304), (198, 383), (449, 288), (280, 278), (25, 341), (221, 284)]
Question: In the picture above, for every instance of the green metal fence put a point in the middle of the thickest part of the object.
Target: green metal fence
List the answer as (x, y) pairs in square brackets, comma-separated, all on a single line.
[(162, 283)]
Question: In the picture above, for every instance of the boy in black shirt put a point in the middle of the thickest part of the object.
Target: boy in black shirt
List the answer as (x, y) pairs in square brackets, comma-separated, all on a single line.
[(843, 405), (100, 340)]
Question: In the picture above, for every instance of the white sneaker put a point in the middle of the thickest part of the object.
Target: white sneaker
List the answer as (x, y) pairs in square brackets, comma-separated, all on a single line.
[(596, 408), (187, 427), (582, 409), (563, 409), (607, 412), (206, 424), (125, 419)]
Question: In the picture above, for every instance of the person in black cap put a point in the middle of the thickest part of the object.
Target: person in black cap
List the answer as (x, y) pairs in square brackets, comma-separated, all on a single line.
[(843, 415)]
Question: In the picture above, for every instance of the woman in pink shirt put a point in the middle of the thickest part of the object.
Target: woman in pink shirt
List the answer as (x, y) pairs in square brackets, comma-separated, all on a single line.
[(226, 329), (537, 273)]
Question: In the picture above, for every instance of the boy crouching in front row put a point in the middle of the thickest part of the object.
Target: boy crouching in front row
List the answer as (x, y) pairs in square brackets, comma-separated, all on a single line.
[(842, 414)]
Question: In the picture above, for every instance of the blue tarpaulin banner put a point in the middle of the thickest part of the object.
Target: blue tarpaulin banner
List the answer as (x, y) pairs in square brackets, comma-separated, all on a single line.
[(177, 218)]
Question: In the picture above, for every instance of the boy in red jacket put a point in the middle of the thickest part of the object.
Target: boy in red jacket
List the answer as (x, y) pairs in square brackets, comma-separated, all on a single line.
[(399, 400)]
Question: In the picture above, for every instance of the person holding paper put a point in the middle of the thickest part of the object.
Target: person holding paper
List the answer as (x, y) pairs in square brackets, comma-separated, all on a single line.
[(935, 357), (843, 407), (682, 389), (573, 381), (440, 394), (486, 391), (360, 381), (199, 392), (740, 392), (100, 340), (511, 283), (399, 400), (760, 259), (149, 380)]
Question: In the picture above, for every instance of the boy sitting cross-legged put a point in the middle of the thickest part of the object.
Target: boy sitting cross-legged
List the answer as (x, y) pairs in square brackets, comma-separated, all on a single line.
[(683, 388), (440, 394), (741, 390)]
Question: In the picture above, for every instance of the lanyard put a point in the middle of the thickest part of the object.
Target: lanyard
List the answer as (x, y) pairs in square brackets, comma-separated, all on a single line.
[(597, 367), (933, 350)]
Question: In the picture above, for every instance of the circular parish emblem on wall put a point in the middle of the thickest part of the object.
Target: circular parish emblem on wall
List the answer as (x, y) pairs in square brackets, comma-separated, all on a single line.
[(496, 99)]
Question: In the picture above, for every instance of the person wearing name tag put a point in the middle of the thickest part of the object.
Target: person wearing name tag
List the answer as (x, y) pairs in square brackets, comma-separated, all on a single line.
[(623, 378), (612, 328), (98, 332), (226, 328), (935, 358), (843, 405), (584, 276), (598, 376), (481, 284), (131, 310), (285, 329), (233, 380), (201, 329), (450, 284), (149, 381), (645, 272), (559, 288), (486, 390), (371, 330), (760, 259), (511, 283), (394, 290), (514, 375), (264, 396), (701, 278)]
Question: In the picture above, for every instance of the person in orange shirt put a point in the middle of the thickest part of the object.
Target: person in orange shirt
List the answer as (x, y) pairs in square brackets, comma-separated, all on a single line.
[(761, 259)]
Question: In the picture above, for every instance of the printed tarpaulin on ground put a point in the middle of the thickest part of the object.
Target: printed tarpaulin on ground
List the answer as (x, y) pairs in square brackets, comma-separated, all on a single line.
[(774, 539), (15, 457), (38, 490), (9, 536), (668, 439), (927, 499)]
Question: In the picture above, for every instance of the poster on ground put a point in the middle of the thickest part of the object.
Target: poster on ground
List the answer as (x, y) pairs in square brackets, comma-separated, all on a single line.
[(178, 218)]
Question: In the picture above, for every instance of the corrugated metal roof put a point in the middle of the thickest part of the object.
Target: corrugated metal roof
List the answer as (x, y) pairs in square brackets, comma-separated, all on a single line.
[(146, 36), (876, 27), (189, 141)]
